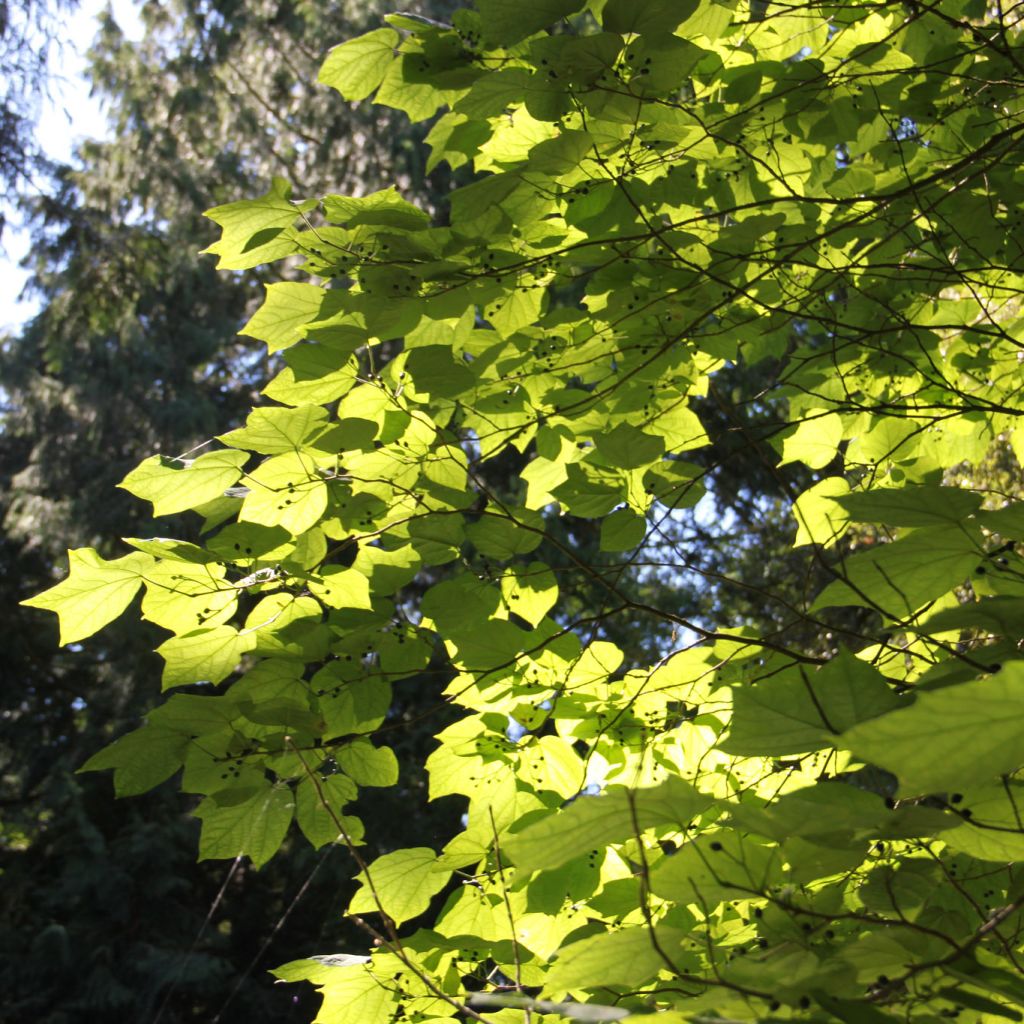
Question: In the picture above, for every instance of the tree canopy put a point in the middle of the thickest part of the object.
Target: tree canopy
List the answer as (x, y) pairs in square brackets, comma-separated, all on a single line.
[(135, 351), (696, 236)]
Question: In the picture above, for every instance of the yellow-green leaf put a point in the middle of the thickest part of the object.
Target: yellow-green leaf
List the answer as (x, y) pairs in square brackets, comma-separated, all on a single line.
[(341, 588), (94, 592), (173, 485), (245, 822), (204, 655), (949, 739), (357, 67), (255, 231), (286, 490), (402, 884), (814, 442)]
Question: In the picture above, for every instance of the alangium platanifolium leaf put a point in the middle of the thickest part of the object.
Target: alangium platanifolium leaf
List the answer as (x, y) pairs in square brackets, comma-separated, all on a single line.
[(824, 197)]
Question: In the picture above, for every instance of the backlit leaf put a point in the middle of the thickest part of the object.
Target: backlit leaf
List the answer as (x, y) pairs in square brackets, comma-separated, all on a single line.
[(251, 824), (254, 231), (949, 739), (173, 485), (400, 884), (356, 68), (94, 592)]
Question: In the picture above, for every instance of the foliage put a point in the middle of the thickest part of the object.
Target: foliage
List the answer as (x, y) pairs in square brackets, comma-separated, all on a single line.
[(28, 38), (135, 352), (813, 206)]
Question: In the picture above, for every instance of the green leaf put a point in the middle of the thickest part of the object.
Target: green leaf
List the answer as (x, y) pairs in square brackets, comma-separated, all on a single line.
[(991, 979), (646, 16), (351, 992), (999, 615), (204, 655), (1007, 521), (174, 485), (623, 530), (492, 94), (922, 505), (562, 154), (191, 713), (851, 181), (317, 968), (589, 1013), (820, 519), (800, 710), (629, 448), (251, 540), (400, 884), (178, 552), (900, 577), (351, 706), (629, 957), (972, 1000), (288, 307), (717, 866), (595, 821), (851, 1011), (838, 815), (94, 592), (272, 430), (357, 67), (341, 588), (250, 823), (314, 374), (141, 759), (588, 492), (502, 537), (386, 209), (506, 24), (181, 596), (289, 625), (992, 829), (404, 92), (286, 490), (255, 231), (436, 372), (530, 591), (316, 820), (949, 739), (368, 765), (814, 442)]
